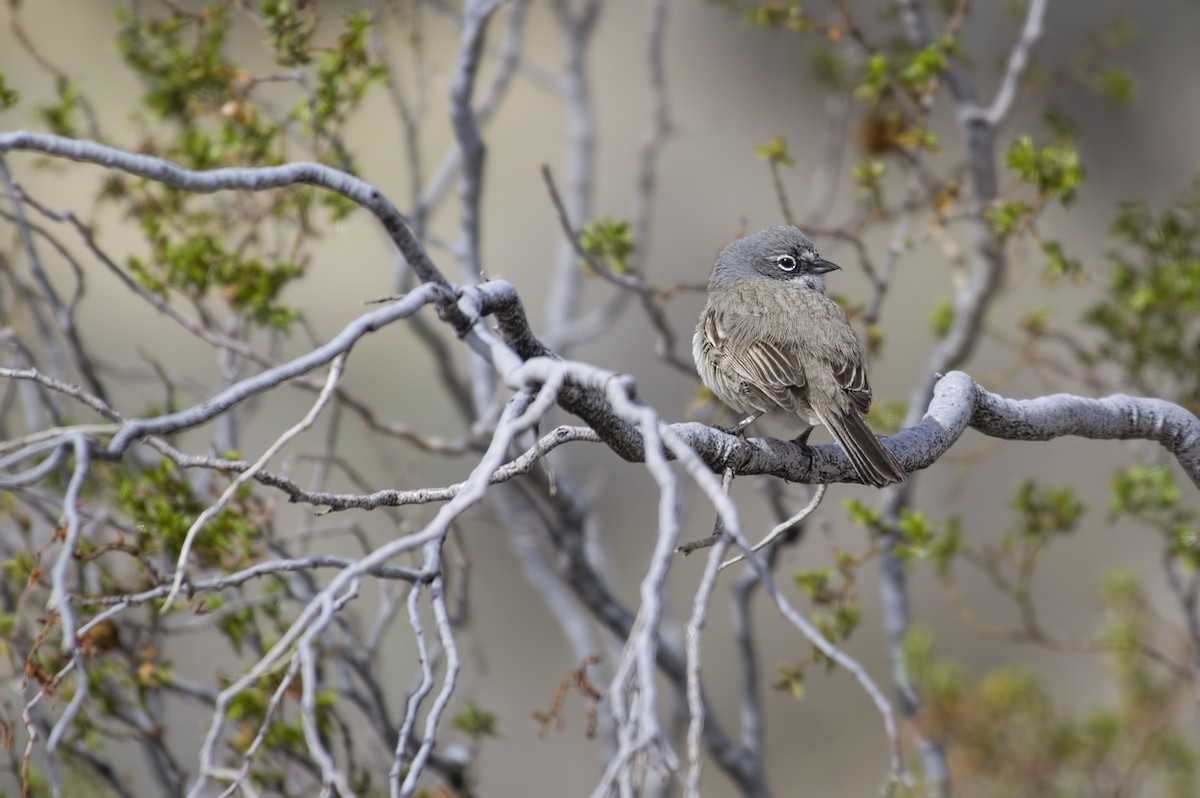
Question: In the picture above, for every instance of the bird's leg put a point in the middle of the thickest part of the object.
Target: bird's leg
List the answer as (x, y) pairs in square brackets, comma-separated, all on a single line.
[(740, 429)]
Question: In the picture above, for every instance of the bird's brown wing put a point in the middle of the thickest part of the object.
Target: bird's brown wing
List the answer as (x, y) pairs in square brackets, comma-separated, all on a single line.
[(777, 369), (852, 377), (765, 370)]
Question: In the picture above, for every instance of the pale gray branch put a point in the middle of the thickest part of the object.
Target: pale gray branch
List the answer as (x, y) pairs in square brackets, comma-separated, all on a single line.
[(1018, 61)]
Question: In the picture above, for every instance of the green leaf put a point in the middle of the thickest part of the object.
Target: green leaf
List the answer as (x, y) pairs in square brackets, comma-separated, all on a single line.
[(610, 242), (868, 179), (1119, 85), (778, 14), (775, 151), (864, 516), (941, 318), (289, 27), (1037, 321), (886, 415), (924, 67), (1060, 265), (474, 721), (61, 117), (816, 585), (791, 678), (946, 546), (1146, 318), (1143, 490), (8, 96), (1008, 216), (1055, 170), (875, 81), (829, 68), (1044, 511)]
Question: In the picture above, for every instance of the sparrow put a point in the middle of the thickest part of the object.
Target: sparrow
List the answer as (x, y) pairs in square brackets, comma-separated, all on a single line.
[(770, 342)]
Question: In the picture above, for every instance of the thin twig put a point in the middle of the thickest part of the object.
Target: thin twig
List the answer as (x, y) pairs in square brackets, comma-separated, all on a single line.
[(695, 626), (335, 374), (785, 527)]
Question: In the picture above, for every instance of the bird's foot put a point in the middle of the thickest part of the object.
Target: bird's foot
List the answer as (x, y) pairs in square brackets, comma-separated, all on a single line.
[(739, 431)]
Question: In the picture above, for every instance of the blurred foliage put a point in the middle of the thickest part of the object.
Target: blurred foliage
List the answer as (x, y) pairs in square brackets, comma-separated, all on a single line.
[(61, 117), (162, 505), (1149, 317), (1007, 734), (475, 722), (205, 248), (1150, 494), (195, 263), (1055, 170), (941, 318), (837, 612), (1119, 85), (868, 181), (610, 242), (289, 27), (919, 537), (232, 257), (251, 708), (775, 152), (9, 96), (887, 415), (1042, 512)]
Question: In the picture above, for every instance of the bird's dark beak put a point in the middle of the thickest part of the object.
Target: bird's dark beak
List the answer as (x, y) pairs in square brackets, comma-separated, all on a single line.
[(822, 266)]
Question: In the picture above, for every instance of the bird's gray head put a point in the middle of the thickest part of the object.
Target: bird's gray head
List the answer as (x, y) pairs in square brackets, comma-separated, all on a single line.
[(777, 253)]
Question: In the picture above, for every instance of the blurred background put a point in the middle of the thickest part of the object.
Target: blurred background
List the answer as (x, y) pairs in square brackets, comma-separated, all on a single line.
[(731, 87)]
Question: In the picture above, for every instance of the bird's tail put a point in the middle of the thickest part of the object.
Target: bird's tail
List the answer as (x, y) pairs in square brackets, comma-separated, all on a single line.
[(874, 464)]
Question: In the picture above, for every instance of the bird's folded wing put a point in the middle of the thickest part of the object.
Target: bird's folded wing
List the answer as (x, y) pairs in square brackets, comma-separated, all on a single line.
[(853, 379), (778, 369), (772, 370)]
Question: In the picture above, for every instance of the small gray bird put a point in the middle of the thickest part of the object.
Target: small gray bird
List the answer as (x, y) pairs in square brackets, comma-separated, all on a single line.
[(770, 341)]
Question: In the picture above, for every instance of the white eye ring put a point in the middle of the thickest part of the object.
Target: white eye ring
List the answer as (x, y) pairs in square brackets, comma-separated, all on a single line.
[(786, 262)]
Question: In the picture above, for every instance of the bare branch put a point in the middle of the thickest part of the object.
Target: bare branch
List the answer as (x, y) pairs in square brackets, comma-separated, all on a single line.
[(970, 305), (64, 313), (416, 696), (823, 182), (60, 602), (1018, 61), (335, 374), (476, 16), (784, 528), (133, 429), (665, 344), (355, 189), (509, 58), (708, 584), (566, 288), (446, 636)]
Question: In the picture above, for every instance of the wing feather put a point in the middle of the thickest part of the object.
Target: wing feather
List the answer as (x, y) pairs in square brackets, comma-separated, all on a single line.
[(852, 377), (763, 367), (776, 368)]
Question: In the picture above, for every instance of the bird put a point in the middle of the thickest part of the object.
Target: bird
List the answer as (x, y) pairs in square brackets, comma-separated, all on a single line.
[(770, 342)]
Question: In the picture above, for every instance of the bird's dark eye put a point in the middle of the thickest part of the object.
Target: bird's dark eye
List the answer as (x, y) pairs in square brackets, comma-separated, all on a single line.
[(786, 262)]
